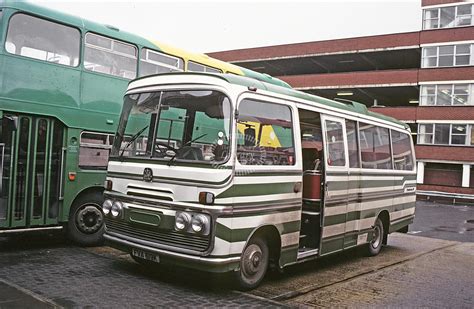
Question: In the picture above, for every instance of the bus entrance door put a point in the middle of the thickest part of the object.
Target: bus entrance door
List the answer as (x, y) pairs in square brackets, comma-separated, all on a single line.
[(30, 150)]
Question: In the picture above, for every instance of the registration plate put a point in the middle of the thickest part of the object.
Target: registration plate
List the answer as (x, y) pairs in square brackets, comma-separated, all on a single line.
[(146, 255)]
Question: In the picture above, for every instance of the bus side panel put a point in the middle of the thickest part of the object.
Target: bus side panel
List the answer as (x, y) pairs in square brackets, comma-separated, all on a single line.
[(261, 201), (404, 200)]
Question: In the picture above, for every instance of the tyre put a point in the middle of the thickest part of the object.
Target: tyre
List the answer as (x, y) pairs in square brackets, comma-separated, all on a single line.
[(86, 220), (253, 264), (375, 245)]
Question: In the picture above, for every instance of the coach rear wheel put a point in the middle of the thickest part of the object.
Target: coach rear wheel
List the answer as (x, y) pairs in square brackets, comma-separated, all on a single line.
[(253, 264), (375, 245)]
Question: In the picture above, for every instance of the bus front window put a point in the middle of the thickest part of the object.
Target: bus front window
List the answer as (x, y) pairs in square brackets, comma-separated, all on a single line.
[(183, 125)]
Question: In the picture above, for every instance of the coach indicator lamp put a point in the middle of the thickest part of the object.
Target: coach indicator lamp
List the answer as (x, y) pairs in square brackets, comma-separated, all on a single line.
[(255, 178)]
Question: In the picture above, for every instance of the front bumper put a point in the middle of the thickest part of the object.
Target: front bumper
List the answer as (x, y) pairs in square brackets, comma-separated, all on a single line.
[(211, 264)]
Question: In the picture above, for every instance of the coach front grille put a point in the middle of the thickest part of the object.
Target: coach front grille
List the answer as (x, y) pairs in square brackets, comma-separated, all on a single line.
[(159, 236)]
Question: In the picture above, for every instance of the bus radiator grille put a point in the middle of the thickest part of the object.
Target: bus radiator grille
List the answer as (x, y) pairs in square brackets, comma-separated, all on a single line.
[(165, 237)]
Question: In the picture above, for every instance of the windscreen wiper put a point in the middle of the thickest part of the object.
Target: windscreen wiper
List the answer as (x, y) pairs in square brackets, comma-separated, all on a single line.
[(132, 139), (186, 144)]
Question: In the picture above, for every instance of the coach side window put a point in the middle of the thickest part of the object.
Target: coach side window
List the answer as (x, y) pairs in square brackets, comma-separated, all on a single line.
[(40, 39), (352, 145), (110, 56), (402, 153), (374, 147), (265, 134), (335, 143)]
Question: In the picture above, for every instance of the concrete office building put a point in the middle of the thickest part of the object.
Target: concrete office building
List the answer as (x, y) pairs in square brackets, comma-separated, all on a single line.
[(424, 78)]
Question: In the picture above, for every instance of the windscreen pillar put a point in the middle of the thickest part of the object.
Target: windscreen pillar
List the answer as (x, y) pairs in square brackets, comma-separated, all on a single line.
[(420, 172), (466, 173)]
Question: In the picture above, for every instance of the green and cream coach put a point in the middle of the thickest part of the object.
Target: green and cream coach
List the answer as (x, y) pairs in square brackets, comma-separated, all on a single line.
[(227, 173)]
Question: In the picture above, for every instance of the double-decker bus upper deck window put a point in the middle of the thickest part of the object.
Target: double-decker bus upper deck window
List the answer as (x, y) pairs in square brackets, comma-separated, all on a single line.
[(110, 56), (197, 67), (265, 134), (37, 38), (153, 62)]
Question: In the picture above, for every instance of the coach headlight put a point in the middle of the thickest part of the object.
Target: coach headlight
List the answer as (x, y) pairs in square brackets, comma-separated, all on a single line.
[(182, 221), (116, 210), (107, 206), (200, 224)]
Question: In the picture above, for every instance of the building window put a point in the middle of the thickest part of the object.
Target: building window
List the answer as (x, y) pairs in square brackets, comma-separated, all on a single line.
[(153, 62), (40, 39), (197, 67), (446, 134), (447, 55), (447, 94), (448, 16), (110, 56)]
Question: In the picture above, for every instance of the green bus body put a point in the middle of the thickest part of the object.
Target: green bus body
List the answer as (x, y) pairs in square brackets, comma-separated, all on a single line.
[(320, 177), (61, 102)]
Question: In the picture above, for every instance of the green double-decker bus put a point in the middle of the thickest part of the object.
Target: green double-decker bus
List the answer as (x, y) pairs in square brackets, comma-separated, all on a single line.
[(62, 79)]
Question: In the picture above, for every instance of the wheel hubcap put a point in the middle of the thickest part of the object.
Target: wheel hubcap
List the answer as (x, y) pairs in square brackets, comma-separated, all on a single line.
[(89, 219), (376, 240), (252, 260)]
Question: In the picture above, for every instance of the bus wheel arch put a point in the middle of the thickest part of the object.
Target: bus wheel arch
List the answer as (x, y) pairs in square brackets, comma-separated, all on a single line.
[(85, 220), (262, 248)]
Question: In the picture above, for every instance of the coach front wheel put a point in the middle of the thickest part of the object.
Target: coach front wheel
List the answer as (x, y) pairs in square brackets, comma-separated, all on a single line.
[(253, 264)]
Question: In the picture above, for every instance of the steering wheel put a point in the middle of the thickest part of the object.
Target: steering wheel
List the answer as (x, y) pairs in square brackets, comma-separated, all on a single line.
[(162, 151)]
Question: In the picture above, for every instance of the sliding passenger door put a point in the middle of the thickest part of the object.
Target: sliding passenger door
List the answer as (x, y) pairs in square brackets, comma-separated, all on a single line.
[(336, 183)]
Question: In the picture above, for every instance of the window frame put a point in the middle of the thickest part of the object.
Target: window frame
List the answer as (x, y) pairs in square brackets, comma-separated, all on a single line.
[(453, 56), (298, 165), (468, 134), (112, 51), (342, 121), (107, 146), (206, 67), (148, 51), (7, 28), (456, 20), (424, 99)]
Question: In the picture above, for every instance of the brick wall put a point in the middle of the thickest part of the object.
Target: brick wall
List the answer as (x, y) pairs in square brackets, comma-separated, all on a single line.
[(445, 153), (320, 47), (412, 113), (344, 80), (443, 177), (436, 2)]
